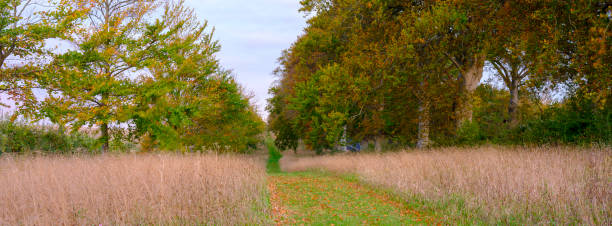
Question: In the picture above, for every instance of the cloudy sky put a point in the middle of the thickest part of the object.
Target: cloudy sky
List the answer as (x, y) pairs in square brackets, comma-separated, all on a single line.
[(252, 34)]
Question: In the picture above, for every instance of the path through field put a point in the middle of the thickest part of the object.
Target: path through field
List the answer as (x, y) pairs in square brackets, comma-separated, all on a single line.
[(322, 199)]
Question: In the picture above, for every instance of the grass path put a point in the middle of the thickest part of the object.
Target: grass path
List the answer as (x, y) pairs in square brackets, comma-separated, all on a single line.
[(316, 198), (322, 199)]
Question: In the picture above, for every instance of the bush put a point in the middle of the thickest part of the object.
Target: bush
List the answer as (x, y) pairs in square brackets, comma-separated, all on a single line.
[(470, 134), (575, 122), (20, 138)]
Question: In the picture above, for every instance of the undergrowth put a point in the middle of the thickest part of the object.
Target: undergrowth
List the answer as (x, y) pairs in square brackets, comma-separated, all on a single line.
[(18, 137)]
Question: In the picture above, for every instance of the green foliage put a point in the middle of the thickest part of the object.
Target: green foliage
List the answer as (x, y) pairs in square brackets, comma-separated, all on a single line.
[(322, 109), (576, 120), (145, 66), (92, 84), (24, 28), (579, 121), (274, 155), (470, 134), (400, 70), (408, 71), (20, 138), (190, 101)]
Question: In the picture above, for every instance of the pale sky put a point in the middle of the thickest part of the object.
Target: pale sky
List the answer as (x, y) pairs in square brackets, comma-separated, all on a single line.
[(252, 34)]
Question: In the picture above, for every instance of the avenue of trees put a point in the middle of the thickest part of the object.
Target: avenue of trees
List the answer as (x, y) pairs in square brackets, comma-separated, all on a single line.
[(141, 70), (408, 73)]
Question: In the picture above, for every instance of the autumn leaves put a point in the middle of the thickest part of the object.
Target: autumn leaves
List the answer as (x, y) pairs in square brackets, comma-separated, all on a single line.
[(139, 69)]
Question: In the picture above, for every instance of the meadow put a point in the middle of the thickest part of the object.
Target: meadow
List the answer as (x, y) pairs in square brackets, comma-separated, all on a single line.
[(122, 112), (491, 184), (479, 185), (132, 189)]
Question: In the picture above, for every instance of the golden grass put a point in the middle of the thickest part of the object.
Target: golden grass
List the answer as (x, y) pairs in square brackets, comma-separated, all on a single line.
[(521, 185), (131, 189)]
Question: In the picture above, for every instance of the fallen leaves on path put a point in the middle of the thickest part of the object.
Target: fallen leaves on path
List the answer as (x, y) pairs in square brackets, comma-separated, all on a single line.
[(279, 212)]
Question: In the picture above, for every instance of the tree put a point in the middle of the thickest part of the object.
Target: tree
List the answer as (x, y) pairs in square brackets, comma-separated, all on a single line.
[(189, 101), (512, 69), (321, 45), (577, 46), (94, 82), (467, 37), (408, 70)]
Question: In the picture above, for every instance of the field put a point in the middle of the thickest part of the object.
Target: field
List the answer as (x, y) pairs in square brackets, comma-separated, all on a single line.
[(131, 189), (486, 185), (489, 184)]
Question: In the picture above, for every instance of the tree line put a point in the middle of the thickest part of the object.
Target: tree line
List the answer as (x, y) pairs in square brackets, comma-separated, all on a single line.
[(134, 69), (408, 73)]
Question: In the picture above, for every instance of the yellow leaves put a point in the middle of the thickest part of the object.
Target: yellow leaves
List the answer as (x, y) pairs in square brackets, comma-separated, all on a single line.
[(111, 51), (82, 115), (597, 64)]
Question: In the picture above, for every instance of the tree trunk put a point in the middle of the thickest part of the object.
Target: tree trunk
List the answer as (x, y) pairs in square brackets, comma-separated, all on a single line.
[(344, 140), (468, 81), (378, 143), (513, 104), (424, 120), (105, 137)]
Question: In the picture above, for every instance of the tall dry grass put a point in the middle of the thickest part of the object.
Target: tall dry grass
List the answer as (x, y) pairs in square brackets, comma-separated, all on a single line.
[(503, 185), (131, 189)]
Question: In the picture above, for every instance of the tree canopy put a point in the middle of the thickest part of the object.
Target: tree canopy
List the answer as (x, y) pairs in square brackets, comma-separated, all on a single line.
[(409, 72)]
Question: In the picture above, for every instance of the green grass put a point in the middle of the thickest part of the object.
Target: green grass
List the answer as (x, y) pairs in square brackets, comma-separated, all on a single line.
[(323, 199), (319, 198), (451, 210), (274, 155)]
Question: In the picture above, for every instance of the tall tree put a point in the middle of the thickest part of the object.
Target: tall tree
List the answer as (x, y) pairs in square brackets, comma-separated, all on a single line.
[(93, 82), (320, 46), (394, 59), (189, 101), (513, 71), (467, 33)]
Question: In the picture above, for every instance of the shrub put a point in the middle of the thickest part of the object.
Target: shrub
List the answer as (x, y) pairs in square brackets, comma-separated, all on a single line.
[(470, 134), (17, 137), (577, 121)]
